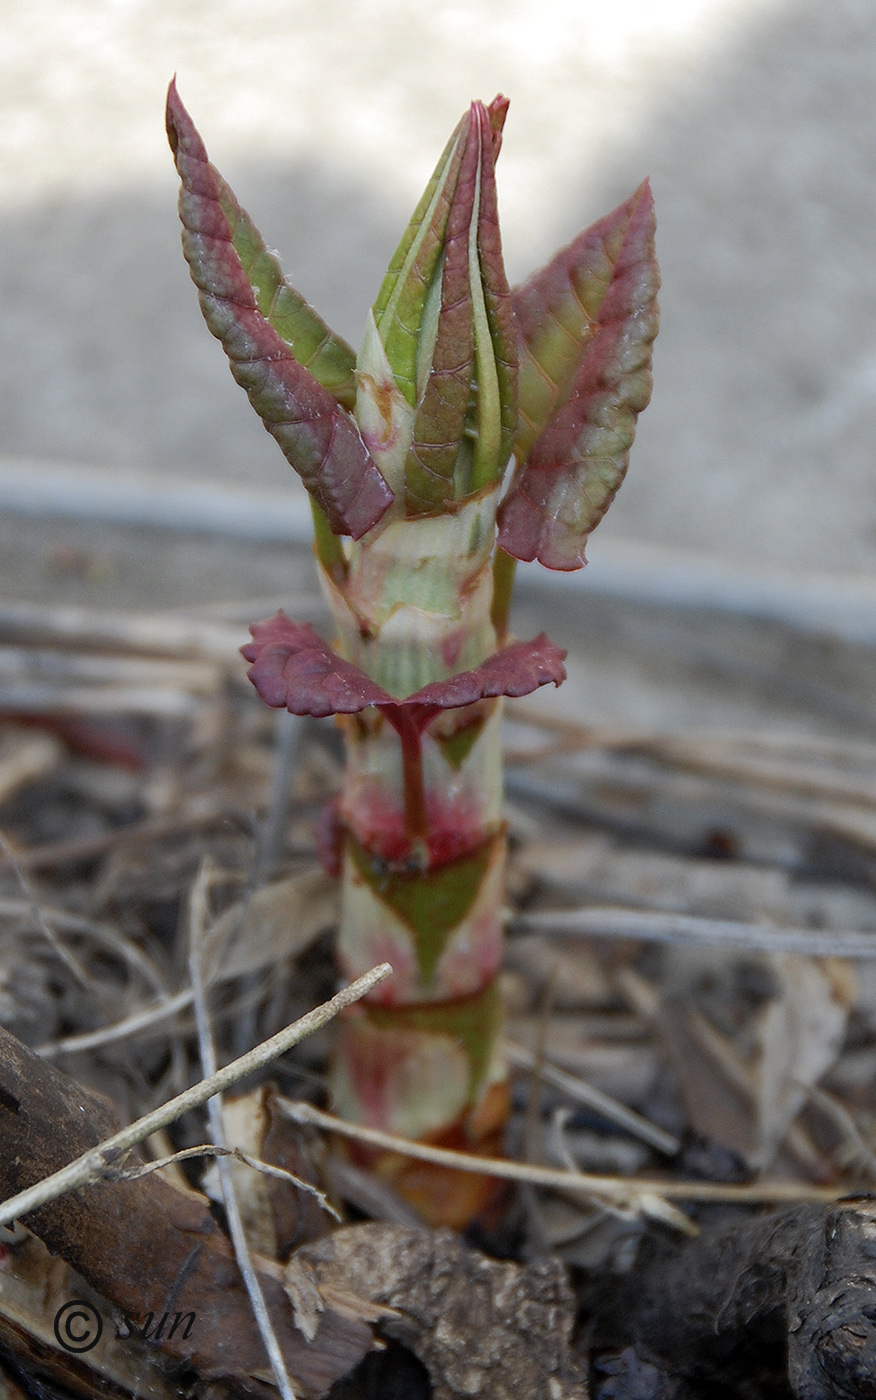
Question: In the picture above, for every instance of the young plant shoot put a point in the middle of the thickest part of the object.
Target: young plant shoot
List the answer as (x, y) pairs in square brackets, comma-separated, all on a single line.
[(460, 383)]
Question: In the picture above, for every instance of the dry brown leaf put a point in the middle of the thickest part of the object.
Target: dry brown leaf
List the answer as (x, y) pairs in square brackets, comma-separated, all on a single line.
[(246, 1123), (299, 1283), (715, 1091), (276, 922), (277, 1216), (801, 1035)]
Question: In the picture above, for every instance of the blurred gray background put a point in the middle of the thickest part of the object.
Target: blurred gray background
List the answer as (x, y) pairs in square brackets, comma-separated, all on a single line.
[(754, 118)]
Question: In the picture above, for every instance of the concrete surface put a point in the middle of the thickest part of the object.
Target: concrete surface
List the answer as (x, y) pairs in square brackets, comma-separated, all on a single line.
[(754, 119)]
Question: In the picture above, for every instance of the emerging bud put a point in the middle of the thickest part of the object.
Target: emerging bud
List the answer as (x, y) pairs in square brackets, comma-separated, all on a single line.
[(437, 402)]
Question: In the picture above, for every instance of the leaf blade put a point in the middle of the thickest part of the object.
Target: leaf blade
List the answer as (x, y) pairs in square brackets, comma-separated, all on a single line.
[(320, 441), (586, 324), (292, 667)]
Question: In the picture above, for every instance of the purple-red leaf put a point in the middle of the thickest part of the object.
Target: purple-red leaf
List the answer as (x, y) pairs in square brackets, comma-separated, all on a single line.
[(293, 667), (586, 324), (516, 670), (316, 436)]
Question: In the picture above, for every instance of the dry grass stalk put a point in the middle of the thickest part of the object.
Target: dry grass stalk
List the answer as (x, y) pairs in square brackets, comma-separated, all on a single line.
[(615, 1189), (198, 922), (644, 925)]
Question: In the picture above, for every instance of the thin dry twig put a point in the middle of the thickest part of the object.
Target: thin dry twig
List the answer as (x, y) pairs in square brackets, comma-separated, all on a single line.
[(119, 1030), (82, 848), (210, 1149), (92, 1165), (582, 1092), (650, 926), (615, 1188), (198, 920)]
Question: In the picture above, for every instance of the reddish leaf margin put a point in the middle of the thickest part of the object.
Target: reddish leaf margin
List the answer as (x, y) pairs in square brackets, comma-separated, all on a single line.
[(586, 324), (292, 667), (317, 437)]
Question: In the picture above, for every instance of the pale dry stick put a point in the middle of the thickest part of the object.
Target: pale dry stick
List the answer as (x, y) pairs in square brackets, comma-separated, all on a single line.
[(855, 751), (568, 794), (40, 666), (615, 1188), (645, 925), (582, 1092), (34, 697), (91, 1166), (198, 921), (713, 755), (143, 634), (119, 1030), (209, 1149), (783, 776)]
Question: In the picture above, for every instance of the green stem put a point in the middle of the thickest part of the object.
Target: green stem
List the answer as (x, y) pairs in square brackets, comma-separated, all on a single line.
[(504, 567), (416, 822), (327, 546)]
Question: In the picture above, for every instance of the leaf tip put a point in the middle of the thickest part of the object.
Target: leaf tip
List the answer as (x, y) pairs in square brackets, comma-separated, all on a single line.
[(496, 114)]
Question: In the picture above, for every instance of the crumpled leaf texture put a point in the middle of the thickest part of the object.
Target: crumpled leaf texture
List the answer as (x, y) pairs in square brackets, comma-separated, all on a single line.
[(586, 324), (315, 434), (292, 667)]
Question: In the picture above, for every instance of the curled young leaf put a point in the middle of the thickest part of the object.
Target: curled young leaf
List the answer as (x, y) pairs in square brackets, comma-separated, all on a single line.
[(292, 667), (265, 330), (586, 323), (444, 318)]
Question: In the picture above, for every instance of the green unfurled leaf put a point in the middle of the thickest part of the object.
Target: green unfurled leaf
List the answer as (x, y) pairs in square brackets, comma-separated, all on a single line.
[(586, 324), (315, 434)]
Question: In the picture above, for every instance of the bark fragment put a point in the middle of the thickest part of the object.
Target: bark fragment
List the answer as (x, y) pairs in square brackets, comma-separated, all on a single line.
[(148, 1247), (483, 1328), (798, 1283)]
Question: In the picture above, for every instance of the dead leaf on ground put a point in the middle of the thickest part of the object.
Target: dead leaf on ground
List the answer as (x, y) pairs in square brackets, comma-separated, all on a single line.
[(277, 1216), (276, 922), (801, 1035)]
